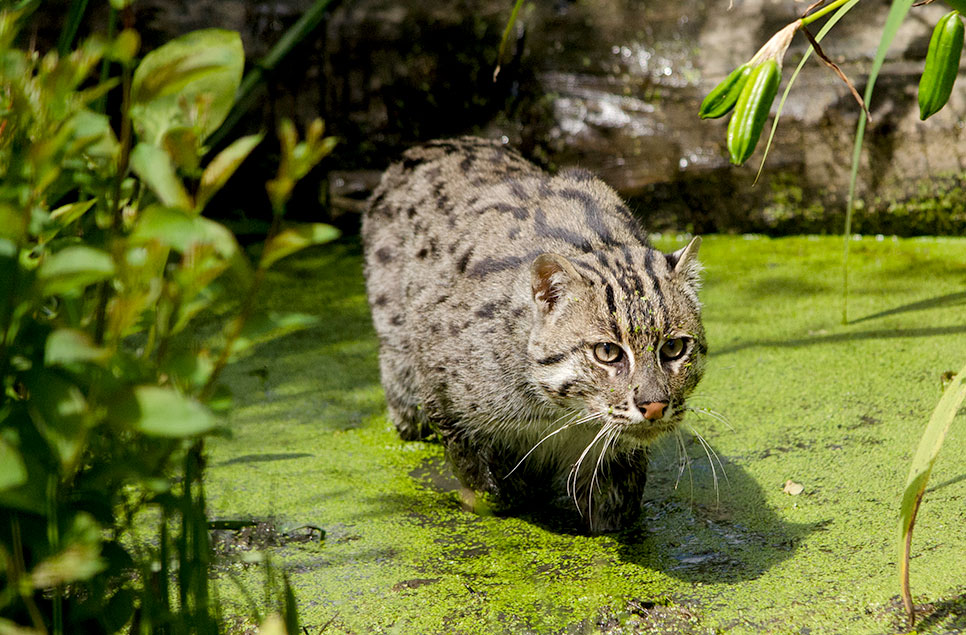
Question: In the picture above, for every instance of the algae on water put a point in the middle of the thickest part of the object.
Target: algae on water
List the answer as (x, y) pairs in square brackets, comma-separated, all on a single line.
[(837, 409)]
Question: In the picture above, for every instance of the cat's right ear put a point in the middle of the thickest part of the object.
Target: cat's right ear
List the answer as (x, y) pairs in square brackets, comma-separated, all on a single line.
[(550, 277)]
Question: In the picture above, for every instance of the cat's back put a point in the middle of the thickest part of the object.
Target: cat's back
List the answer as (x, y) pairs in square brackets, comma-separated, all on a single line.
[(472, 209)]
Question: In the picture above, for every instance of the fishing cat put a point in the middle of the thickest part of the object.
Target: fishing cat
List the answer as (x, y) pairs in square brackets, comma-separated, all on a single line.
[(526, 320)]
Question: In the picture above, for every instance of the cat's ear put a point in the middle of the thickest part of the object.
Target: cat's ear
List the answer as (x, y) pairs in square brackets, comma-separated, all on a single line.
[(684, 264), (550, 277)]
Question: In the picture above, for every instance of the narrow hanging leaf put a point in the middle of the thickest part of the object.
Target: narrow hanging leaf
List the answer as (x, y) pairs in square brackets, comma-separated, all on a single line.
[(293, 239), (752, 109), (838, 15), (897, 14), (723, 97), (922, 464), (942, 65)]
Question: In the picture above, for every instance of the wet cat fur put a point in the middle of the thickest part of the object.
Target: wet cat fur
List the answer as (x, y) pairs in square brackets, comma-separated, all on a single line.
[(498, 293)]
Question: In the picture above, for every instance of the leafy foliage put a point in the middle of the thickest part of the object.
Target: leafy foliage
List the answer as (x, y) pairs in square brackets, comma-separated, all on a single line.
[(105, 265)]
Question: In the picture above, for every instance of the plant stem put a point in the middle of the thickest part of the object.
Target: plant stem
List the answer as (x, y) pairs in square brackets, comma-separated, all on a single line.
[(289, 40), (811, 17), (69, 32), (123, 161)]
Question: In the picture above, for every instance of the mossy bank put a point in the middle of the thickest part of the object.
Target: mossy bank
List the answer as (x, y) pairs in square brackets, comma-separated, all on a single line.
[(835, 408)]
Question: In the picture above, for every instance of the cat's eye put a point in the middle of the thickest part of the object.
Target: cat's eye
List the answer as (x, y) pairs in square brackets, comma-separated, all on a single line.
[(608, 352), (673, 348)]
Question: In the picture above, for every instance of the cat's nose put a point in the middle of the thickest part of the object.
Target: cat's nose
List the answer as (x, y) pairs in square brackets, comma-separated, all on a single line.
[(653, 410)]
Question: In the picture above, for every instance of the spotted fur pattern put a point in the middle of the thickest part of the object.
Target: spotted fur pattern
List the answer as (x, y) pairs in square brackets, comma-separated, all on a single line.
[(493, 287)]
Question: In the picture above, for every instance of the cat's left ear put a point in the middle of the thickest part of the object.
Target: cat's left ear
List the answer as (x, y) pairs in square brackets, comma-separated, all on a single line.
[(684, 264)]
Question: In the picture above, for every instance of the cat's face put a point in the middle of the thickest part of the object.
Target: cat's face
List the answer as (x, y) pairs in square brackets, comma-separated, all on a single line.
[(618, 340)]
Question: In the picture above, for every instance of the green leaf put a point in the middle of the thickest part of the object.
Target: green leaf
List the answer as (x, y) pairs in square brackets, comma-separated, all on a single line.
[(124, 47), (189, 81), (13, 472), (69, 346), (161, 412), (922, 463), (19, 434), (156, 169), (265, 326), (293, 239), (67, 214), (72, 269), (60, 413), (78, 561), (180, 230), (92, 131), (221, 168)]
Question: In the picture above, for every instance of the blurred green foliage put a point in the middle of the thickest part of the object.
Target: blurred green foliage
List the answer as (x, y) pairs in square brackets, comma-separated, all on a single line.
[(106, 264)]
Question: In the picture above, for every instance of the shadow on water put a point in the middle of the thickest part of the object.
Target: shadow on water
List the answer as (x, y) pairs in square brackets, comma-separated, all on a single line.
[(944, 301), (835, 338), (690, 528), (939, 302), (704, 525)]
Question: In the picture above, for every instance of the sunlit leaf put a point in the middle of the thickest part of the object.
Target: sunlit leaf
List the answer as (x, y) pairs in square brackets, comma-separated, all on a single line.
[(35, 458), (293, 239), (221, 168), (69, 346), (184, 148), (73, 268), (124, 47), (78, 561), (206, 63), (92, 131), (156, 169), (13, 472), (922, 463), (161, 412), (67, 214), (180, 230)]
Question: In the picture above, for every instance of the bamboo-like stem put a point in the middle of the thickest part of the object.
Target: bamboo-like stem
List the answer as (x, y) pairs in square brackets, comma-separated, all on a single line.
[(289, 40), (808, 19)]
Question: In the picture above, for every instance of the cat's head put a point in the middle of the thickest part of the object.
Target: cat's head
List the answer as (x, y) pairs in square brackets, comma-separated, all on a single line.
[(618, 335)]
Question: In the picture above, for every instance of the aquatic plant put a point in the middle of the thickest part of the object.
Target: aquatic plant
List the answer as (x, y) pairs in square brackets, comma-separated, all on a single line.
[(107, 271), (939, 74)]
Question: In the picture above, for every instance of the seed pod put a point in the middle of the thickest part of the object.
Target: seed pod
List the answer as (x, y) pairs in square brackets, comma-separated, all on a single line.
[(942, 65), (722, 97), (752, 109)]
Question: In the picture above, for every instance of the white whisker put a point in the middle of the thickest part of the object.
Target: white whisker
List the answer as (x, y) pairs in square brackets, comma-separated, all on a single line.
[(714, 415), (572, 477), (537, 444), (709, 451), (609, 441)]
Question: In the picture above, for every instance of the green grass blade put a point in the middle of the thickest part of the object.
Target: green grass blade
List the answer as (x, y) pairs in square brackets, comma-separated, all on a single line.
[(506, 36), (929, 445), (781, 104), (897, 13), (69, 33)]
